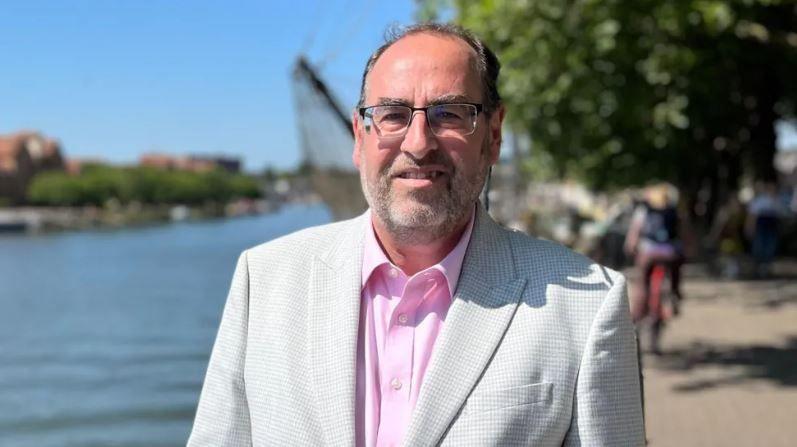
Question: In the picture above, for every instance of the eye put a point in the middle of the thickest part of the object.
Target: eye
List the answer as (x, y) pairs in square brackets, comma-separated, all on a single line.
[(390, 114), (394, 116), (449, 112)]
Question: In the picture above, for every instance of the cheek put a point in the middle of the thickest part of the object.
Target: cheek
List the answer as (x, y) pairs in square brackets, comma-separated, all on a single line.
[(375, 160), (467, 154), (469, 160)]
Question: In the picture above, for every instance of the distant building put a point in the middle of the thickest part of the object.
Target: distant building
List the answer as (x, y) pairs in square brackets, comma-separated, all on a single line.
[(227, 163), (193, 163), (22, 156), (161, 161)]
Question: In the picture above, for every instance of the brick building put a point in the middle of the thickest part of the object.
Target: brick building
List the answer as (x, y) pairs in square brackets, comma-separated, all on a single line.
[(191, 163), (22, 156)]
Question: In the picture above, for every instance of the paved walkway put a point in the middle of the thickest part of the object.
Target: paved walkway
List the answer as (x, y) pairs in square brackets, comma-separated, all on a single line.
[(728, 373)]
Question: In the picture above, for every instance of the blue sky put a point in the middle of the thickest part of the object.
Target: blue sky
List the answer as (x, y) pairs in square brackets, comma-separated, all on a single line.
[(114, 79)]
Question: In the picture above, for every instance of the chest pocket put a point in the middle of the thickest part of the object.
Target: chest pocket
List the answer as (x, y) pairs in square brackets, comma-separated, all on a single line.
[(502, 398)]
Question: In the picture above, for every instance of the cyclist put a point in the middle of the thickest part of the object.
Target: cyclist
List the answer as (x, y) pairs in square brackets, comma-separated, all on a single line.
[(653, 239)]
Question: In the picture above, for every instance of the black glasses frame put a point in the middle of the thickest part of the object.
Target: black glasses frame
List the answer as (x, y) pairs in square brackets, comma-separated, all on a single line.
[(479, 109)]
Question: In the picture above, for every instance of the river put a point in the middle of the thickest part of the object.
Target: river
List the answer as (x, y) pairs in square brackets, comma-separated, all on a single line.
[(105, 335)]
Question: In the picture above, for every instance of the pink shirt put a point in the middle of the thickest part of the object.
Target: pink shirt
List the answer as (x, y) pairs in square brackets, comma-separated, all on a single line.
[(400, 319)]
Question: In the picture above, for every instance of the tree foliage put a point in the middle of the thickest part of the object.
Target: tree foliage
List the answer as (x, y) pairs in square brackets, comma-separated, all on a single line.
[(97, 184), (621, 92)]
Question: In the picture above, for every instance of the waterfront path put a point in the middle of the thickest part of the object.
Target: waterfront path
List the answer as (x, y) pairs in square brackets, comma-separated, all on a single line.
[(728, 373)]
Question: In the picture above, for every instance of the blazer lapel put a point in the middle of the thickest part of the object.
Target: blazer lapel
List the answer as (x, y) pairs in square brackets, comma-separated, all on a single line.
[(485, 301), (334, 320)]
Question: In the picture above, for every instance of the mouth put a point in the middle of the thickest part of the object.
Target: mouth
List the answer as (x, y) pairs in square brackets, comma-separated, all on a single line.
[(420, 175)]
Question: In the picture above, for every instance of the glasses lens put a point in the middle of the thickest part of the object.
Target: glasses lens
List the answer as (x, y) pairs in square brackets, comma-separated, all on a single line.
[(390, 120), (452, 119), (444, 119)]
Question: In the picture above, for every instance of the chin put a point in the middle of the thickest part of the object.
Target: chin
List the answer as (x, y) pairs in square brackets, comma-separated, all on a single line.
[(418, 215)]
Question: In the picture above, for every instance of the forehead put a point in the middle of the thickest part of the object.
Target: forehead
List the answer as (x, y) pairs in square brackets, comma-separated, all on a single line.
[(421, 67)]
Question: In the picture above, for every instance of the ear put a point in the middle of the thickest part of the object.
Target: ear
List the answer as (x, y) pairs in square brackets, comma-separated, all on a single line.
[(494, 124), (357, 130)]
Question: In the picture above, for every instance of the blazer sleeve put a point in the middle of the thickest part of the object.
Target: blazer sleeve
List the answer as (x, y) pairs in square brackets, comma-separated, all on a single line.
[(607, 405), (222, 417)]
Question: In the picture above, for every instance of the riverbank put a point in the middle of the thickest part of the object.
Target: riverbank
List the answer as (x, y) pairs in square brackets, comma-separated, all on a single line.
[(114, 215)]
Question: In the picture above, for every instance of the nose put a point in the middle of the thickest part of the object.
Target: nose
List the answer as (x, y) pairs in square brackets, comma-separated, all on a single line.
[(419, 139)]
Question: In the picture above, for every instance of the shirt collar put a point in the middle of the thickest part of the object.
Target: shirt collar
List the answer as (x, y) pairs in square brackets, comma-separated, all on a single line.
[(450, 266)]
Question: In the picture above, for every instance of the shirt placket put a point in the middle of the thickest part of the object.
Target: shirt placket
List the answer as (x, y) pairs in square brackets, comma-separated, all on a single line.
[(396, 383)]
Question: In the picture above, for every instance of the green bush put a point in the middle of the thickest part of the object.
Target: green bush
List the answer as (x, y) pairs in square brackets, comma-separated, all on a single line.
[(56, 189), (97, 184)]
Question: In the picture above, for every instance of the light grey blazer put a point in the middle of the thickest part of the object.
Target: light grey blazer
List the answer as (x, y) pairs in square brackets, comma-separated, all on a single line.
[(537, 348)]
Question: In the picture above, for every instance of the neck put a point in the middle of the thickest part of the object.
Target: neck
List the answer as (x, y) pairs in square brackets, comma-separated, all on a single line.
[(412, 255)]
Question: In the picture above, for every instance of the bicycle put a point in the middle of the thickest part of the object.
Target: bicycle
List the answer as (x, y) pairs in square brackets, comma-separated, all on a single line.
[(662, 303)]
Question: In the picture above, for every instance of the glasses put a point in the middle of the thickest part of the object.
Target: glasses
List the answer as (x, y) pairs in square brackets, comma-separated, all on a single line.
[(445, 120)]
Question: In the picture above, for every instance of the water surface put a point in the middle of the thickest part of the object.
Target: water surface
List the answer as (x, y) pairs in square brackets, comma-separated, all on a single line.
[(105, 335)]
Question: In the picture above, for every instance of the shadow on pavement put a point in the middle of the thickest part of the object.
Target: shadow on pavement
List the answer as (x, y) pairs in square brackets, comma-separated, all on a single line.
[(775, 302), (772, 293), (780, 292), (740, 363)]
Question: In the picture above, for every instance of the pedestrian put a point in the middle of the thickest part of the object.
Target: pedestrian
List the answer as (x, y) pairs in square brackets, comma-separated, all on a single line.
[(761, 226)]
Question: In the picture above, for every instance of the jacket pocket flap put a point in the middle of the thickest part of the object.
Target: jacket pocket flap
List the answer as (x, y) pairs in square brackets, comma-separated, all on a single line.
[(496, 399)]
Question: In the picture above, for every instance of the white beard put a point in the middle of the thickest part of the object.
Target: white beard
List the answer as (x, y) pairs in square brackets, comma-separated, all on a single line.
[(421, 217)]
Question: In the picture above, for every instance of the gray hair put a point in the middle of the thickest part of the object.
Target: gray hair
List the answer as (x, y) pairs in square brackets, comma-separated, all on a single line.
[(487, 65)]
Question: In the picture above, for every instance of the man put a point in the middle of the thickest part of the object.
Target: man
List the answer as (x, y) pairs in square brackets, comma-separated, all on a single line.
[(422, 322)]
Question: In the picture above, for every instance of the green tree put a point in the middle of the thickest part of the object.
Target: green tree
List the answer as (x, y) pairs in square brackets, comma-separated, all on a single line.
[(100, 183), (55, 189), (245, 186), (97, 184), (621, 92)]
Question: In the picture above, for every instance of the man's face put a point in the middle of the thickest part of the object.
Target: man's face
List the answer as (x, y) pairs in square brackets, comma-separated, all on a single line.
[(423, 183)]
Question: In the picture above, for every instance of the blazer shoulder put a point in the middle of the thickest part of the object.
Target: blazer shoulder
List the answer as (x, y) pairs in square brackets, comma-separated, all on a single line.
[(305, 243), (532, 254)]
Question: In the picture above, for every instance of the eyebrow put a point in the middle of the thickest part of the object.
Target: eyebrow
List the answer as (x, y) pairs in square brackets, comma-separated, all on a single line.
[(450, 99), (392, 102), (445, 99)]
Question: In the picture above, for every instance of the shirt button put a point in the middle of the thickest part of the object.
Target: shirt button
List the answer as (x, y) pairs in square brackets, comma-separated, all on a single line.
[(393, 273), (402, 318), (395, 384)]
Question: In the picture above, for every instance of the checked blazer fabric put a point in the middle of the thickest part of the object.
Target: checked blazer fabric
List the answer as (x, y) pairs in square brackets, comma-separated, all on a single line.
[(537, 348)]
